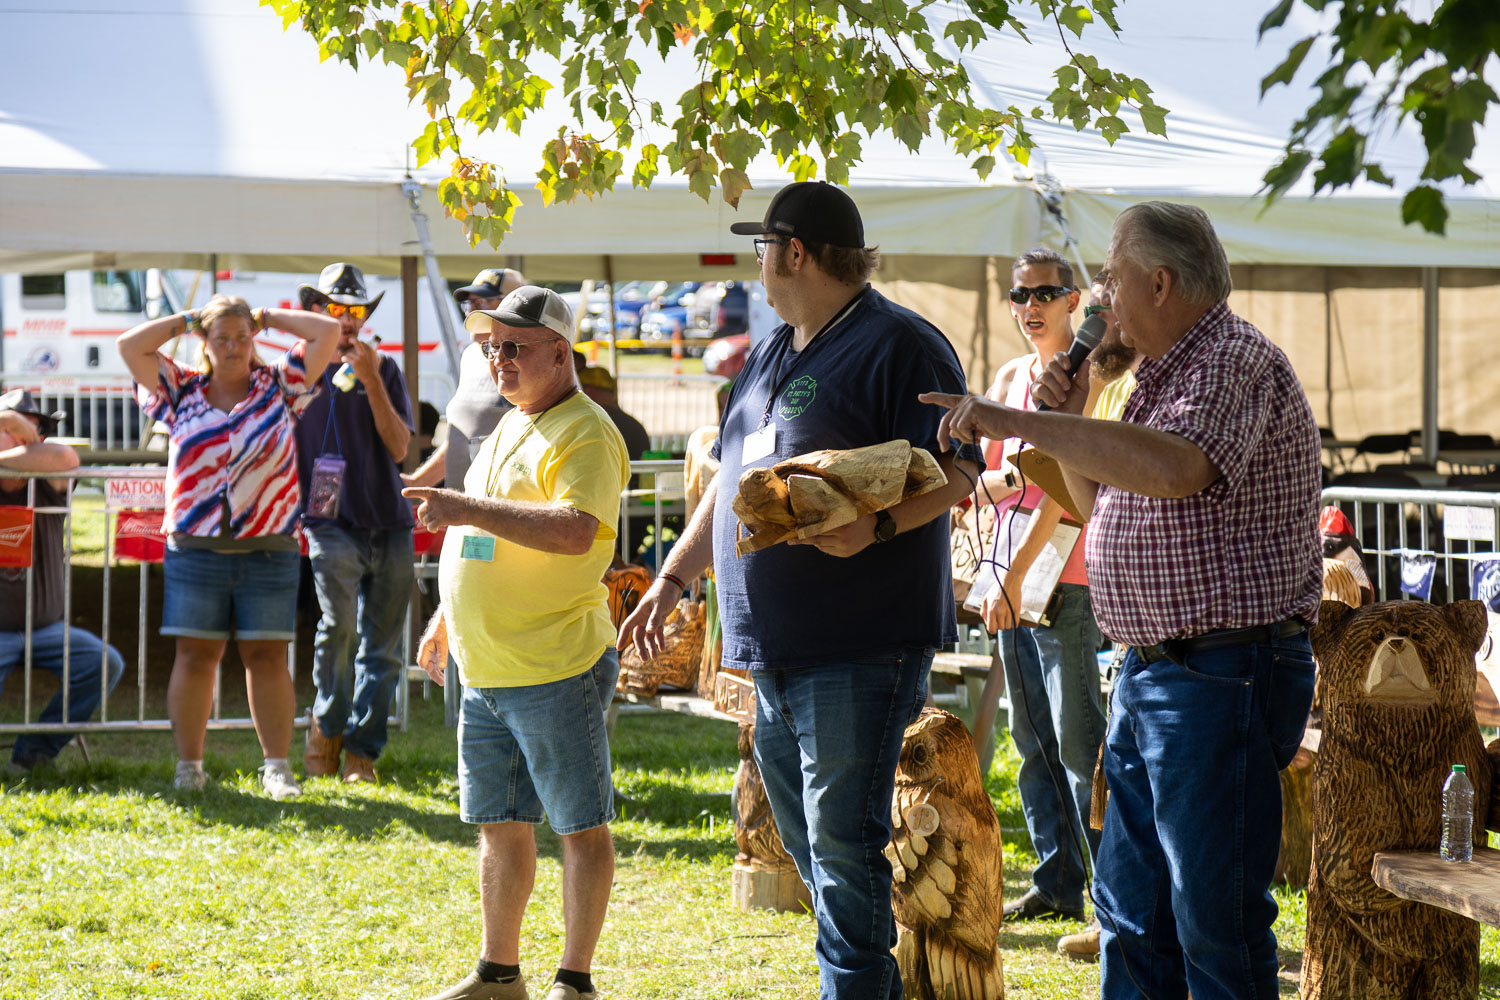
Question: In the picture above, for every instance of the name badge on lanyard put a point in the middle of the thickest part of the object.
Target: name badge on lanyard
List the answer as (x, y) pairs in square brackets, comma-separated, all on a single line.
[(478, 547), (758, 445)]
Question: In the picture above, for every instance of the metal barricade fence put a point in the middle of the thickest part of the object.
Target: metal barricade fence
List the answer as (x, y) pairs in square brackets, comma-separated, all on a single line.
[(658, 485), (670, 407), (1456, 528)]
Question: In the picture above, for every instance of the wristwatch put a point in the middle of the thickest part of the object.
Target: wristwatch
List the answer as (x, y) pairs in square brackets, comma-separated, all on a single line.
[(885, 526)]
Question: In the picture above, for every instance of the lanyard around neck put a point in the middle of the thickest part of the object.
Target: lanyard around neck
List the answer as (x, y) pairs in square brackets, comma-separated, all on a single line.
[(818, 338)]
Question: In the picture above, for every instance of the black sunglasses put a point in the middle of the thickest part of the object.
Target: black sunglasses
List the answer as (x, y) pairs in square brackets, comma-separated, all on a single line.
[(1043, 293), (510, 349)]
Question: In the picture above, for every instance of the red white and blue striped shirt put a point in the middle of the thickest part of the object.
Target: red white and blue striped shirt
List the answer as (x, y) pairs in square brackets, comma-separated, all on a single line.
[(231, 474)]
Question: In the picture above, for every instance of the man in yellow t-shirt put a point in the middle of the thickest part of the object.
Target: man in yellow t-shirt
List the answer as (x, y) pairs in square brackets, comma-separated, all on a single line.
[(526, 617)]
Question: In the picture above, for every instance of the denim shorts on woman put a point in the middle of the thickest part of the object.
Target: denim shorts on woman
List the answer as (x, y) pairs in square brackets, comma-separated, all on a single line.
[(211, 595), (528, 753)]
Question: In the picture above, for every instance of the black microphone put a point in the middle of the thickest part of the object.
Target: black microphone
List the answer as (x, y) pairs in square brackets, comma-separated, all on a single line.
[(1085, 339)]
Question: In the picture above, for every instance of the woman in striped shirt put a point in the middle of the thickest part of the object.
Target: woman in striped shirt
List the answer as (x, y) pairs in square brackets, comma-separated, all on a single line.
[(232, 564)]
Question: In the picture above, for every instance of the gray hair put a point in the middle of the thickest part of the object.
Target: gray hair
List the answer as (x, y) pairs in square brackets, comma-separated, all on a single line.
[(1181, 239)]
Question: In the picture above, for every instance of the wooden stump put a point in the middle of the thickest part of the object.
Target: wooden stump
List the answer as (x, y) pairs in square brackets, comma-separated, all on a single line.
[(759, 886)]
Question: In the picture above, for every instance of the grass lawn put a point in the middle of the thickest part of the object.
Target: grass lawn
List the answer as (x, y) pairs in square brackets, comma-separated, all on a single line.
[(111, 885)]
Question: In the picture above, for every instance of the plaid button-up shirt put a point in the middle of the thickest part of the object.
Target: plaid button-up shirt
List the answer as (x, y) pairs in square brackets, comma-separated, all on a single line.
[(1242, 552)]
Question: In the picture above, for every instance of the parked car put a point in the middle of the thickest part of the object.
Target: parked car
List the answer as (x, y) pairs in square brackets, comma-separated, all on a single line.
[(726, 356)]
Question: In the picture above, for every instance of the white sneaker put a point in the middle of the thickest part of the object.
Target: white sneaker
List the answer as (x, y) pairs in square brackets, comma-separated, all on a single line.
[(189, 779), (279, 782)]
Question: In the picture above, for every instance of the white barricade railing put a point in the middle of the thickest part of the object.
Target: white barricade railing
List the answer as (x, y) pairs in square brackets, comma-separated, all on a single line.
[(100, 409), (1457, 528), (658, 494), (670, 407)]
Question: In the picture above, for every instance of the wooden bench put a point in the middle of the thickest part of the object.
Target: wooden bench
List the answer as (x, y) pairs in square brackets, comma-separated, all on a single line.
[(1471, 888)]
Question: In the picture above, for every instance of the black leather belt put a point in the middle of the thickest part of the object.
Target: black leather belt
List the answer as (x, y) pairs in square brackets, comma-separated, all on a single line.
[(1177, 650)]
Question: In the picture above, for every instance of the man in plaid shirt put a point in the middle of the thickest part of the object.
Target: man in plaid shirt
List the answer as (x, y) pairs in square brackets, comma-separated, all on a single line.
[(1203, 556)]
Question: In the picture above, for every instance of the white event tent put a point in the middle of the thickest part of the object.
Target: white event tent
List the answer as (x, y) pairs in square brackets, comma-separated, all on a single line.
[(159, 132)]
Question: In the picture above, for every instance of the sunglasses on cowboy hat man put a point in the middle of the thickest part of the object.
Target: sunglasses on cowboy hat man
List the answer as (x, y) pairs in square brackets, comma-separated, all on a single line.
[(340, 290)]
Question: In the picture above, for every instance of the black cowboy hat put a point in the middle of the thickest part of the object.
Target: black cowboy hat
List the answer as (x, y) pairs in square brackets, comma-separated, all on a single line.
[(21, 401), (342, 283)]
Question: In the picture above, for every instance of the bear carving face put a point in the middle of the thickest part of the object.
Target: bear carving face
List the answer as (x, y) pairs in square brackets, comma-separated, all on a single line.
[(1391, 660)]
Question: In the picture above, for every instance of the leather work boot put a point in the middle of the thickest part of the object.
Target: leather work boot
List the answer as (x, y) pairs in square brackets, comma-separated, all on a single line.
[(321, 760), (1081, 947), (358, 769)]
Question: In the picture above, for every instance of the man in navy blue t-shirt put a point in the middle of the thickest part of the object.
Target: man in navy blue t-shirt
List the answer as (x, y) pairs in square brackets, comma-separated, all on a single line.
[(350, 442), (839, 629)]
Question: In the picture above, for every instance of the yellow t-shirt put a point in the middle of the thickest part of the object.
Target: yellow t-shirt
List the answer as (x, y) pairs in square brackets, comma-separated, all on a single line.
[(523, 616), (1112, 398)]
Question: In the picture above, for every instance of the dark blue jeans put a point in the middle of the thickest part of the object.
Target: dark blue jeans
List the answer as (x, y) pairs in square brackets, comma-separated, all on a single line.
[(1057, 722), (85, 654), (1194, 820), (827, 739), (364, 581)]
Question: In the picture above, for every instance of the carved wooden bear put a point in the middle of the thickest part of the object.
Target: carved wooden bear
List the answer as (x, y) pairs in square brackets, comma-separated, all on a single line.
[(1396, 683), (946, 865)]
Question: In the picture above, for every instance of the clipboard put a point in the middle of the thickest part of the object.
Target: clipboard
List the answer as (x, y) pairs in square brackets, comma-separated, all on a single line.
[(1044, 471), (1039, 591)]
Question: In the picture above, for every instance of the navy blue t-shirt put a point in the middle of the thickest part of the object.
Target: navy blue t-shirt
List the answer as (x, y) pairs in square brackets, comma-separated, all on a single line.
[(371, 496), (856, 384)]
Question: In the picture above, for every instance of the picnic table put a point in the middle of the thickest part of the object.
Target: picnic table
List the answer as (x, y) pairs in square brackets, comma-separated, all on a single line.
[(1471, 888)]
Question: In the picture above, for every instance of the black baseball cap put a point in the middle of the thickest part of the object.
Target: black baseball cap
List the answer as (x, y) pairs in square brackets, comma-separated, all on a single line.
[(810, 210)]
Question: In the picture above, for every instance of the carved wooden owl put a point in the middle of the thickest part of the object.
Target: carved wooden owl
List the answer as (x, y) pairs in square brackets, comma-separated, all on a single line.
[(1396, 682), (946, 865), (755, 832)]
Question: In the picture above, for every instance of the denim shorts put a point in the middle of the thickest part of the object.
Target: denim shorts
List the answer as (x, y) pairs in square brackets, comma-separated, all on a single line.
[(541, 751), (211, 595)]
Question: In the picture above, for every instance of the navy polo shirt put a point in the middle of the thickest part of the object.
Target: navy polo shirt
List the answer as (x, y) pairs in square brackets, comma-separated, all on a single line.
[(855, 384)]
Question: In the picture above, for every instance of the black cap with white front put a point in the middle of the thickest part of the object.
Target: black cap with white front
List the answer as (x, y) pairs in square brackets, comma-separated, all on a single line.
[(813, 211)]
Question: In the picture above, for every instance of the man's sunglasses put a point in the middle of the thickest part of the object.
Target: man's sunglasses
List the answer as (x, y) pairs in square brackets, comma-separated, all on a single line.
[(1042, 293), (337, 309), (508, 349)]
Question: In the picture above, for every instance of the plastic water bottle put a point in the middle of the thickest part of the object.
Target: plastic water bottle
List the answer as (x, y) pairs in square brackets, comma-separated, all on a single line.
[(344, 378), (1458, 817)]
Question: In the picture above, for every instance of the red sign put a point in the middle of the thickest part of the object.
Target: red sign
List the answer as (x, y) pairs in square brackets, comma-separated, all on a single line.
[(15, 536), (716, 259), (138, 536), (424, 542)]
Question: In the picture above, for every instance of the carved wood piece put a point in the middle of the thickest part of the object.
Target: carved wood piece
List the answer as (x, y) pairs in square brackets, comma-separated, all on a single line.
[(822, 490), (946, 878), (678, 664), (1396, 685)]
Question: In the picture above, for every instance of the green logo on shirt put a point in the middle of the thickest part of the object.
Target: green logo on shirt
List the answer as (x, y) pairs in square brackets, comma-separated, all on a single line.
[(798, 396), (521, 469)]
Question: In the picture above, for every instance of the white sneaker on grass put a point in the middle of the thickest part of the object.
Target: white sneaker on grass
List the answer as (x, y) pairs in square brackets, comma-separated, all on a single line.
[(189, 778), (279, 782)]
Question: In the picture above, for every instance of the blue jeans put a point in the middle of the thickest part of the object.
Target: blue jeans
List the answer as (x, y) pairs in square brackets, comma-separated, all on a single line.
[(1194, 820), (827, 740), (1057, 722), (84, 656), (363, 578)]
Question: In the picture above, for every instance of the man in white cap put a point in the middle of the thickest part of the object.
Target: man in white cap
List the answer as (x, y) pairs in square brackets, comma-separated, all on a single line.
[(526, 616)]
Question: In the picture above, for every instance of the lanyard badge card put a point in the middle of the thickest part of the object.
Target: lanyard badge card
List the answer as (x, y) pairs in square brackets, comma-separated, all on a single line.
[(327, 482), (327, 472)]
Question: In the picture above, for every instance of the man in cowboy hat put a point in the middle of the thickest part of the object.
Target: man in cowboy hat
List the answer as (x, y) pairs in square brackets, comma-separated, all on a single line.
[(349, 448), (24, 448), (476, 406)]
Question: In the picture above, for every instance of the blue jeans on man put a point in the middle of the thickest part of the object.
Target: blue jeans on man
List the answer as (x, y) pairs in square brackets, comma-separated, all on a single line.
[(86, 653), (1057, 723), (364, 581), (1193, 827), (827, 740)]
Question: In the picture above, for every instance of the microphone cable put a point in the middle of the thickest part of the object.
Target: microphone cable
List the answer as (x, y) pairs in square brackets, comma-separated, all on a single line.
[(1069, 807)]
